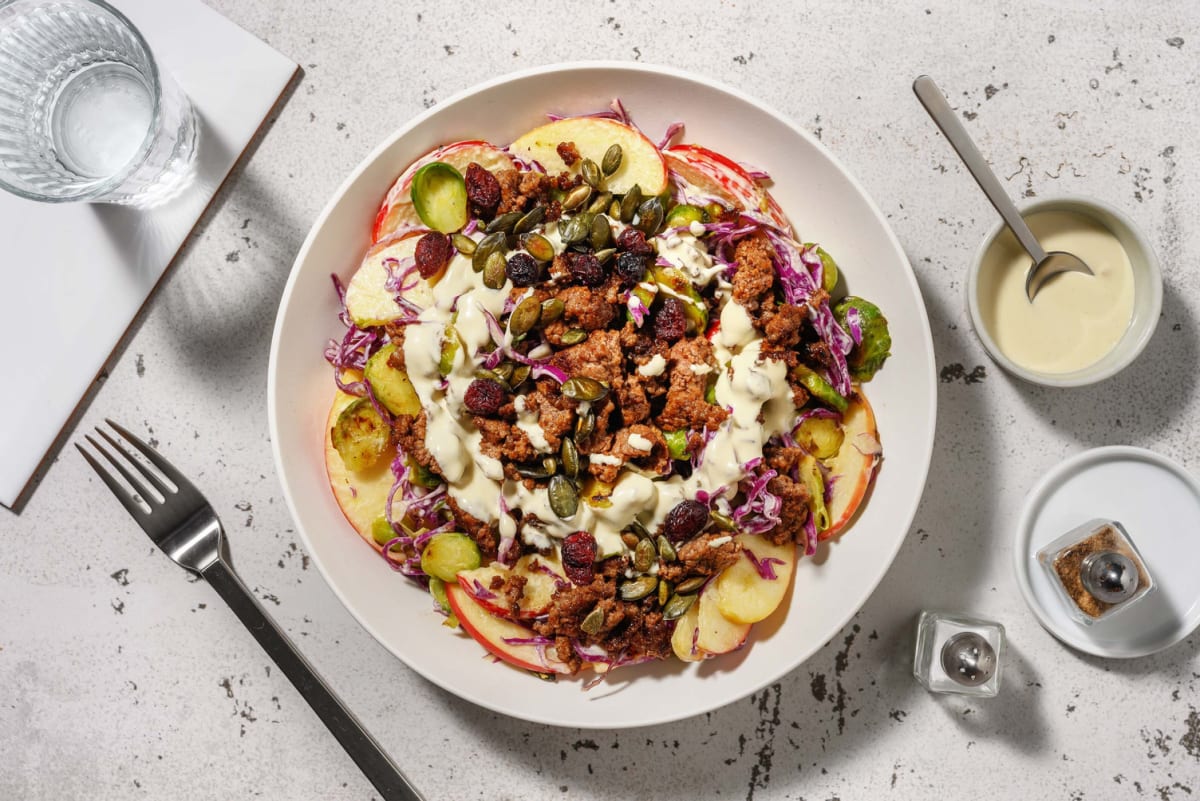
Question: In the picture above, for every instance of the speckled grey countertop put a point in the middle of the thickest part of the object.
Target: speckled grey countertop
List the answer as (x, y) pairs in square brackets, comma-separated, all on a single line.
[(123, 680)]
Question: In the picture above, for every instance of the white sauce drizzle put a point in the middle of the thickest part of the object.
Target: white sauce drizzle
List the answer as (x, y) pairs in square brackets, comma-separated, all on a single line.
[(655, 366)]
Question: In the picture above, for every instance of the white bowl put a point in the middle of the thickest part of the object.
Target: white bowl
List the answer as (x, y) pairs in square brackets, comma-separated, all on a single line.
[(1147, 294), (825, 203)]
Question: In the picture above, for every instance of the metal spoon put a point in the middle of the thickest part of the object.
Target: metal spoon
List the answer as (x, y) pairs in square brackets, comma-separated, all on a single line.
[(1045, 265)]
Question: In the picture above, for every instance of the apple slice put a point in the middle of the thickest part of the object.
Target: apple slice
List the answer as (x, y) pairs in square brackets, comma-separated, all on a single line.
[(397, 210), (368, 300), (718, 634), (497, 635), (854, 465), (744, 596), (641, 162), (543, 576), (718, 175), (484, 575), (686, 634), (360, 495)]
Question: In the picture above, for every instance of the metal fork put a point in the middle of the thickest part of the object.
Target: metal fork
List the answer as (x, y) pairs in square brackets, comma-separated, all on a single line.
[(186, 528)]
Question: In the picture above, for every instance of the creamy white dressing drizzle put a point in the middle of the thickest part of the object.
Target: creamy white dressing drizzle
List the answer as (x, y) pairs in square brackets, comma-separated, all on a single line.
[(655, 366), (685, 251)]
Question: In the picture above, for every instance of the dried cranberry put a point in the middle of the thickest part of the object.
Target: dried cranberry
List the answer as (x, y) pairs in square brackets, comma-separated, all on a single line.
[(485, 396), (522, 269), (483, 190), (579, 556), (433, 253), (685, 520), (631, 268), (669, 323), (634, 241), (586, 269)]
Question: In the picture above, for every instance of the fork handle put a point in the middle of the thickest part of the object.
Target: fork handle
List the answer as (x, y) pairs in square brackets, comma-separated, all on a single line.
[(361, 747)]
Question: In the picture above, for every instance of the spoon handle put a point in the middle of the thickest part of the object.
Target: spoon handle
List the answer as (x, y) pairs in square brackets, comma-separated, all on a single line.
[(934, 101)]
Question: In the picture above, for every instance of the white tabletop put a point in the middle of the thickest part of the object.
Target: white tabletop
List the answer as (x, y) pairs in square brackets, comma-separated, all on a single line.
[(123, 680)]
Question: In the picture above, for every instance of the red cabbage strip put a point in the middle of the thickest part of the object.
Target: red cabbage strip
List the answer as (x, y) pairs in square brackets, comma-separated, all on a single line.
[(756, 173), (764, 566), (761, 510), (672, 129), (854, 323), (481, 592), (698, 457), (810, 529), (527, 640)]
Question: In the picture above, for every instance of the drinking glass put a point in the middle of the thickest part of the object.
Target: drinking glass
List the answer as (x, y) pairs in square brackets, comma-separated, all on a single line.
[(85, 112)]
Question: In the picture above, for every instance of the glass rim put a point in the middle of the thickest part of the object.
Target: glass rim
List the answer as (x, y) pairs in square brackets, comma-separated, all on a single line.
[(115, 180)]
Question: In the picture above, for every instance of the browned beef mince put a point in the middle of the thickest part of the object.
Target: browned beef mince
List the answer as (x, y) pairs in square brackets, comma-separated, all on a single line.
[(783, 327), (503, 440), (795, 497), (396, 334), (567, 152), (598, 357), (755, 274), (519, 191), (484, 534), (410, 433), (586, 308), (631, 395), (697, 557), (686, 407), (508, 588)]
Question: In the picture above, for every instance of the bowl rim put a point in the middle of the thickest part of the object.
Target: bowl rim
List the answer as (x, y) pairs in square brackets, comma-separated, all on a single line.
[(924, 455), (1129, 348)]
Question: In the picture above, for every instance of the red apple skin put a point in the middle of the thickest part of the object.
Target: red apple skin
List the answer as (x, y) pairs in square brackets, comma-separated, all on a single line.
[(732, 179), (855, 469), (467, 578), (489, 631)]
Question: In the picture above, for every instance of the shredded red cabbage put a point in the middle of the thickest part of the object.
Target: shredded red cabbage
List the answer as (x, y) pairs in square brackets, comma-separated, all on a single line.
[(854, 323), (810, 543), (757, 174), (471, 227), (527, 641), (481, 592), (760, 512), (764, 566), (698, 457), (672, 129), (637, 309)]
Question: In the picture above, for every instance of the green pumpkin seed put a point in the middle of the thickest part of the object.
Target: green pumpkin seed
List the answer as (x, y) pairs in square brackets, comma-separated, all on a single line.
[(593, 622), (691, 585), (504, 371), (492, 243), (666, 551), (550, 464), (574, 229), (638, 529), (573, 336), (524, 317), (493, 271), (512, 241), (614, 209), (519, 374), (600, 236), (630, 539), (611, 161), (650, 216), (537, 471), (678, 605), (664, 592), (576, 197), (585, 425), (570, 458), (582, 388), (591, 173), (600, 204), (722, 521), (630, 202), (463, 244), (539, 247), (504, 223), (644, 556), (605, 256), (530, 221), (564, 499), (638, 589), (552, 309)]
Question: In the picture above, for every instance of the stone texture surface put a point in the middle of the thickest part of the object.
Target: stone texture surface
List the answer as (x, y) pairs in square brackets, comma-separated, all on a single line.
[(122, 680)]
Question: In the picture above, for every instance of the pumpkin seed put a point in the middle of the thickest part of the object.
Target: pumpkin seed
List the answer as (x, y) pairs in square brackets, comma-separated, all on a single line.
[(574, 229), (678, 605), (530, 221), (664, 592), (611, 161), (537, 471), (524, 317), (564, 500), (463, 244), (666, 551), (573, 336), (638, 589), (493, 270), (605, 256), (576, 197), (552, 309), (539, 247), (591, 173), (582, 388), (488, 375), (551, 464), (722, 521), (638, 529), (593, 622), (614, 209), (600, 204), (644, 556), (691, 585), (630, 539), (492, 243), (600, 236), (630, 202), (512, 241), (570, 458), (504, 223), (585, 425), (650, 216), (519, 374)]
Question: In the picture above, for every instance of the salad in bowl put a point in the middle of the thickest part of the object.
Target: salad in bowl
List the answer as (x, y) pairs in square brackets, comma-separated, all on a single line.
[(596, 395)]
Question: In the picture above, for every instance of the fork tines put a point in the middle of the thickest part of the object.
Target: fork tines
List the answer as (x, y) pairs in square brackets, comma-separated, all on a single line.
[(146, 489)]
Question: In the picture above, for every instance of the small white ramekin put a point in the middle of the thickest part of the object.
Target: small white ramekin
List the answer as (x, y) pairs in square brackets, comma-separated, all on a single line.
[(1147, 294)]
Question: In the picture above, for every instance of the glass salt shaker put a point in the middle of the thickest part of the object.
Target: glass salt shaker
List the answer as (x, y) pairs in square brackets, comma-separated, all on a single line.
[(957, 654), (1096, 570)]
